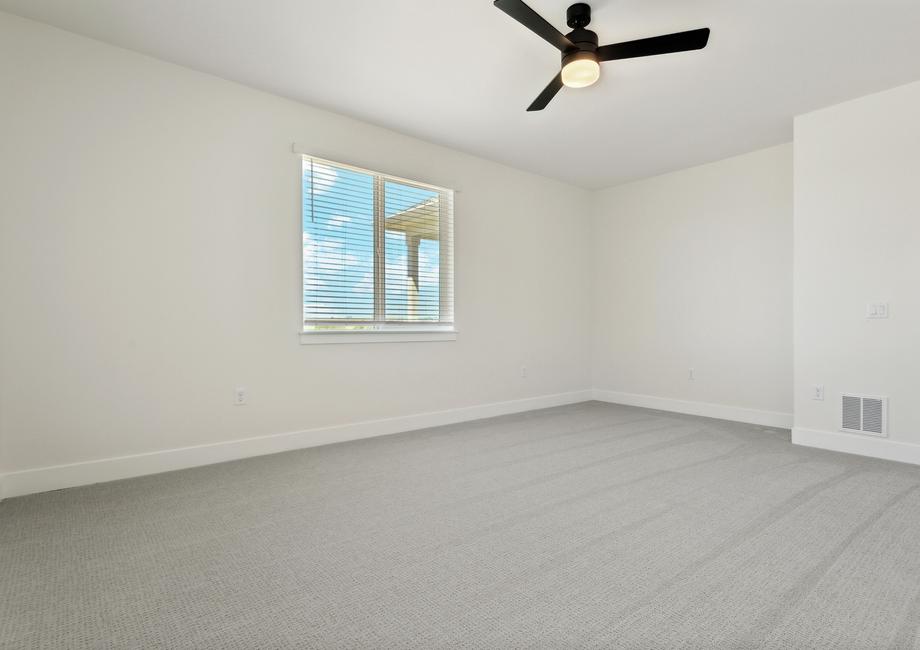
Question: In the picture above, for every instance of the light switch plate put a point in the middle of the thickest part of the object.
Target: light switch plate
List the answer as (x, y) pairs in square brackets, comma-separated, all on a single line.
[(877, 310)]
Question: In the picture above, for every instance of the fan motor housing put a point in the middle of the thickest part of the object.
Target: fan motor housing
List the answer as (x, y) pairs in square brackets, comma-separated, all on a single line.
[(585, 42)]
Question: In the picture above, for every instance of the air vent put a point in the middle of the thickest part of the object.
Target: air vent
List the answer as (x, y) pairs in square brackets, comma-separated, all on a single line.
[(864, 414)]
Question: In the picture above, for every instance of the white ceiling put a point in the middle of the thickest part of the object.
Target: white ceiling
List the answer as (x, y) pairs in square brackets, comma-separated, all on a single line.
[(461, 73)]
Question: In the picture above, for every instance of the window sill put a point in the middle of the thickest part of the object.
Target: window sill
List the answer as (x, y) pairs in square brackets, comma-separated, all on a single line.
[(382, 336)]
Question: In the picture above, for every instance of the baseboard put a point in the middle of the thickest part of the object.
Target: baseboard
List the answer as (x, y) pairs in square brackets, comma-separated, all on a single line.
[(719, 411), (854, 443), (56, 477)]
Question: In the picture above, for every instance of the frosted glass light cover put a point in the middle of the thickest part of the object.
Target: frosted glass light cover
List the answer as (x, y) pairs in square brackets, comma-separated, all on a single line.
[(581, 73)]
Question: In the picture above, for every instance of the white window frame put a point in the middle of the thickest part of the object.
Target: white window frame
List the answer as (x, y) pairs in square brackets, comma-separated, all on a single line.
[(378, 331)]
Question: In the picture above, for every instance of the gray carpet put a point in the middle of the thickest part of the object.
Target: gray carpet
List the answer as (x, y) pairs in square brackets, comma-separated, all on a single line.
[(591, 525)]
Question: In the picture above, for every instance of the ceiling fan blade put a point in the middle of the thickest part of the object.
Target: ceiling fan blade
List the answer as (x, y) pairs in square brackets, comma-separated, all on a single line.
[(695, 39), (547, 95), (534, 22)]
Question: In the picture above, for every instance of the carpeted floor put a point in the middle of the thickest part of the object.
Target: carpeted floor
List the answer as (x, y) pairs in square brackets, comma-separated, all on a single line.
[(591, 525)]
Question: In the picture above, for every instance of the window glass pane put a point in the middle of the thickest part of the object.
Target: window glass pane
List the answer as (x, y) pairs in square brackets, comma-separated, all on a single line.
[(350, 283), (338, 243), (411, 252)]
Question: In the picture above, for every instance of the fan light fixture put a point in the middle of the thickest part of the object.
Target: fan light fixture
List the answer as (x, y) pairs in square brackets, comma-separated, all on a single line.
[(581, 73), (582, 56)]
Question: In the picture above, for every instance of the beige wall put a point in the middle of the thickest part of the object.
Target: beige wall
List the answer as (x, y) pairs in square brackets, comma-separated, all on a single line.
[(693, 269), (150, 264)]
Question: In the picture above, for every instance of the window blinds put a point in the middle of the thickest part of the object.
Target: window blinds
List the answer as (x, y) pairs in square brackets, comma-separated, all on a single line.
[(377, 250)]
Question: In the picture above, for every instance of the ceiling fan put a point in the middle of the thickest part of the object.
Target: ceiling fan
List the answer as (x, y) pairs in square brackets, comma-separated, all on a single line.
[(581, 56)]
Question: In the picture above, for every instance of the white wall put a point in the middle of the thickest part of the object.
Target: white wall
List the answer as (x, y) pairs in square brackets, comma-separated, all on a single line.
[(150, 263), (857, 240), (693, 269)]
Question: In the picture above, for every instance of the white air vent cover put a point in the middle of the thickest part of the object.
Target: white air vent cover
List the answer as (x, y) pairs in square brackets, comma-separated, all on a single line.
[(864, 414)]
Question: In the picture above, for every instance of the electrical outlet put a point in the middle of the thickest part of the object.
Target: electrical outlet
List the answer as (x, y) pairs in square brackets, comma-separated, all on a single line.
[(240, 397), (877, 310), (523, 372), (690, 375), (817, 393)]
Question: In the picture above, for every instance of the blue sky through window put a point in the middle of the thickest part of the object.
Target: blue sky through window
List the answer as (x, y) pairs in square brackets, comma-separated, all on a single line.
[(338, 244)]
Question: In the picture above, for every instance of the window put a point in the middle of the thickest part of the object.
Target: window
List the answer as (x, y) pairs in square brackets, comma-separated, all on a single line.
[(377, 252)]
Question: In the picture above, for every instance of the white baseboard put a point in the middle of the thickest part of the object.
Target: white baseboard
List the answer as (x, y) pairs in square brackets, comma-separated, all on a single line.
[(853, 443), (43, 479), (718, 411)]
